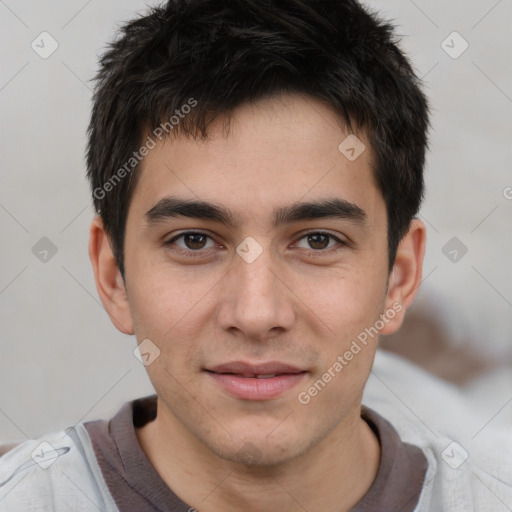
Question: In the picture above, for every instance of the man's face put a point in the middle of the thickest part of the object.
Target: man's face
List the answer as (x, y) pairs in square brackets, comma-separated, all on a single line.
[(298, 291)]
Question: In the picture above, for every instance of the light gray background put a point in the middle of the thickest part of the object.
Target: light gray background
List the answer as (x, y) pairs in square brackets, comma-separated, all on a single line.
[(62, 361)]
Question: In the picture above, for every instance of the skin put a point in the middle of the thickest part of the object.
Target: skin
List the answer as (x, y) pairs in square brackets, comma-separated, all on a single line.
[(299, 302)]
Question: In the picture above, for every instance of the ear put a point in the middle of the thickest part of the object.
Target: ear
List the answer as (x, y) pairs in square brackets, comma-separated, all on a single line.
[(406, 275), (109, 282)]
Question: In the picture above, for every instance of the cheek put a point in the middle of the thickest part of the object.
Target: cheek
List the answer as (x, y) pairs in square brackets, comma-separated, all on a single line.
[(346, 301), (349, 306), (163, 297), (174, 311)]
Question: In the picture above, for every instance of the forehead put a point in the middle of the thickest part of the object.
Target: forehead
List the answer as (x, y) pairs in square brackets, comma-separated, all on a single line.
[(279, 150)]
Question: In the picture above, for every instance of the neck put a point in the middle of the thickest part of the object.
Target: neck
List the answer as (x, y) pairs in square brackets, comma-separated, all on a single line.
[(331, 476)]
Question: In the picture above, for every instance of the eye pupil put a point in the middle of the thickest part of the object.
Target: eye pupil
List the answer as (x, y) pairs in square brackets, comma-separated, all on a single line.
[(194, 240), (319, 240)]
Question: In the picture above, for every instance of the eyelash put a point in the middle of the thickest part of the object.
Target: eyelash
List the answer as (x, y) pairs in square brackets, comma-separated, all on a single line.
[(194, 254)]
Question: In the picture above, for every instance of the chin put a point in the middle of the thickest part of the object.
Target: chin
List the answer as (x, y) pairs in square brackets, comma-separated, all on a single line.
[(261, 449)]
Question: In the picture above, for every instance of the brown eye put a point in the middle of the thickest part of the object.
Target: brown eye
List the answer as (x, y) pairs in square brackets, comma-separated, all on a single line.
[(195, 240), (191, 241), (319, 241)]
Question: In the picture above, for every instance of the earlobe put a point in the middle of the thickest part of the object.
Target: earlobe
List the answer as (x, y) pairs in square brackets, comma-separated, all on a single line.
[(109, 282), (406, 275)]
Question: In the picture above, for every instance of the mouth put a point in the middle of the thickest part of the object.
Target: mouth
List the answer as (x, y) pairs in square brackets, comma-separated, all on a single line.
[(254, 376), (256, 381)]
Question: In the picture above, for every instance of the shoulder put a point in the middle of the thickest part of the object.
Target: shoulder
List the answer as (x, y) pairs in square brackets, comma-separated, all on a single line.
[(469, 457), (57, 471)]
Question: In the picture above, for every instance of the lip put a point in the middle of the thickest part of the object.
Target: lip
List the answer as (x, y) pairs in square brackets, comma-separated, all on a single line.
[(238, 379), (241, 367)]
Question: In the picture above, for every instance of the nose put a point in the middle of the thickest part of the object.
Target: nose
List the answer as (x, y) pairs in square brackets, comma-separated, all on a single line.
[(256, 300)]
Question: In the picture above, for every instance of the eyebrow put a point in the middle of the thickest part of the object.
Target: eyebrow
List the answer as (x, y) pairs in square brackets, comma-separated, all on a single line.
[(172, 207)]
